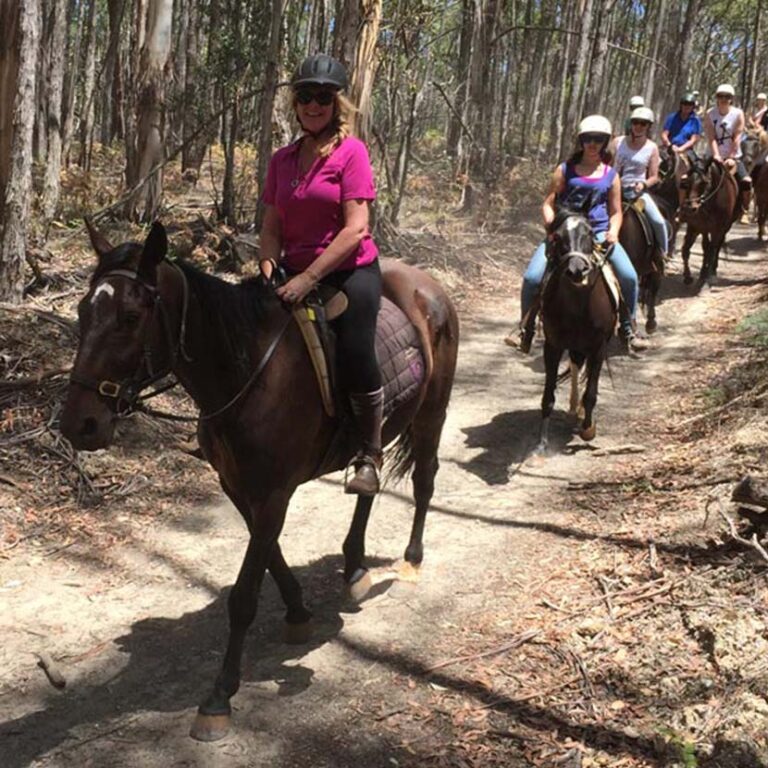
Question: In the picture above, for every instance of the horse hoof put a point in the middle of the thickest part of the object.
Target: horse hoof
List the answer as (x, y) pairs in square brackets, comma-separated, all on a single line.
[(704, 288), (360, 585), (408, 572), (210, 727), (297, 634), (588, 433), (650, 326), (687, 279)]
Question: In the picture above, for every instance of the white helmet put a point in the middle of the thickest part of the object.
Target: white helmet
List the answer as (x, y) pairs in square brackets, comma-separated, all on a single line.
[(762, 96), (726, 90), (636, 101), (596, 124), (643, 113)]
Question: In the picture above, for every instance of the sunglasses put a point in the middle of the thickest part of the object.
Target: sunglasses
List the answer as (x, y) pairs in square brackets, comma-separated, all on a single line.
[(688, 103), (593, 138), (722, 96), (640, 122), (323, 98)]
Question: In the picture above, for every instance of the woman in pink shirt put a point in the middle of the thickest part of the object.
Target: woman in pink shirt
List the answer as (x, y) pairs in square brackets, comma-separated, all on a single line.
[(317, 194)]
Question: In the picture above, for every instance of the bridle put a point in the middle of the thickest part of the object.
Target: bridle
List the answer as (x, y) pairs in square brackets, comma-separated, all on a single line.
[(711, 194), (127, 392)]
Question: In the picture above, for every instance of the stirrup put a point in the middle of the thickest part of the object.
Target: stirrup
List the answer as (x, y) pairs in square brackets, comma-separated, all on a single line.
[(366, 481)]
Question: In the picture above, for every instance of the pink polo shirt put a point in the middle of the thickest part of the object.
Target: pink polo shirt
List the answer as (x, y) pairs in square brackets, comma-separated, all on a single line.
[(310, 205)]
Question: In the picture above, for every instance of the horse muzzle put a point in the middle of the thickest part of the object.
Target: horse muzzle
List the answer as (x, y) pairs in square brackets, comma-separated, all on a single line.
[(578, 269), (86, 421)]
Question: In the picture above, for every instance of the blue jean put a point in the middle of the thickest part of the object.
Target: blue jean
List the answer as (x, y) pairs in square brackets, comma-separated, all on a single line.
[(630, 290), (658, 225)]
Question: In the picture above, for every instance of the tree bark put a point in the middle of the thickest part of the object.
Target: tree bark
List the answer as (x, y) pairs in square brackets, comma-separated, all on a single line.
[(455, 129), (74, 18), (150, 142), (14, 210), (53, 104), (89, 83), (361, 85), (268, 100), (9, 70)]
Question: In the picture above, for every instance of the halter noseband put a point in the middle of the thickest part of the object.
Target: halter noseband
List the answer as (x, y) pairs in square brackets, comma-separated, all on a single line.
[(128, 391)]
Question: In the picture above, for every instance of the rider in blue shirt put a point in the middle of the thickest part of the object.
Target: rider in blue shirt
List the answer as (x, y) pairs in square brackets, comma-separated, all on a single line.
[(682, 129)]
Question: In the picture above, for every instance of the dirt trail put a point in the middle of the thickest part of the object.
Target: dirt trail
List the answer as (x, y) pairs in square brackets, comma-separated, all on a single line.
[(138, 630)]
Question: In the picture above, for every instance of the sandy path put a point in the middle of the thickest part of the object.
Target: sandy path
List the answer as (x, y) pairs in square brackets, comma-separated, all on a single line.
[(138, 630)]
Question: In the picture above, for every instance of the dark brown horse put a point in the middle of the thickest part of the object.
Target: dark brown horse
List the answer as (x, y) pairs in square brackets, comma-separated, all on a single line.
[(637, 238), (665, 193), (578, 315), (238, 353), (710, 207), (760, 185)]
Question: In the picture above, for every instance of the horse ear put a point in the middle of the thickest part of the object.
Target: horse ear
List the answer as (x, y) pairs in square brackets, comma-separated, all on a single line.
[(586, 205), (100, 244), (155, 250)]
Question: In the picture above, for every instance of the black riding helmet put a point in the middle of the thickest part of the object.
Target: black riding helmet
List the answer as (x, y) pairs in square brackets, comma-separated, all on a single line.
[(320, 69)]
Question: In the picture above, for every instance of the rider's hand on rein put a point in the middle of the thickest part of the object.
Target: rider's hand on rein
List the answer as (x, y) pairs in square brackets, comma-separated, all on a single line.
[(298, 287)]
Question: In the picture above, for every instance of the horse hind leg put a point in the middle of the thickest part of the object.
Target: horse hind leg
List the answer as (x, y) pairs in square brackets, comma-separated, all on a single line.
[(575, 406), (552, 357), (652, 290)]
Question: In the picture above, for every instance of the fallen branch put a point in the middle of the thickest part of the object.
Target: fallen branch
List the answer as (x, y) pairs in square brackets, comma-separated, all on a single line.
[(46, 663), (33, 381), (518, 641)]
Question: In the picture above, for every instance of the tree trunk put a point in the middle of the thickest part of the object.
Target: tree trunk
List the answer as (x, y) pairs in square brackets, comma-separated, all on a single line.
[(9, 71), (579, 71), (53, 86), (750, 93), (593, 102), (152, 74), (74, 18), (89, 82), (268, 100), (14, 210), (455, 130), (112, 88), (659, 27), (361, 85)]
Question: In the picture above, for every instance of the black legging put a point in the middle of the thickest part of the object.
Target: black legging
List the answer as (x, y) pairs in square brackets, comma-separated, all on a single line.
[(356, 326)]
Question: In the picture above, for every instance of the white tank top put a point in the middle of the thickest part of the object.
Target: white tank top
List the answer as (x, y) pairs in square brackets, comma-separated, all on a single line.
[(632, 164), (725, 125)]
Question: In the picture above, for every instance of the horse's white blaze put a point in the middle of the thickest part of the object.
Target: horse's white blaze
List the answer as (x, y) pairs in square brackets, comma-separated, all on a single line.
[(103, 288)]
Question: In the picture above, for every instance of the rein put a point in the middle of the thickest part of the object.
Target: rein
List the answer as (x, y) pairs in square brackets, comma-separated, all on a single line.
[(710, 195), (128, 391)]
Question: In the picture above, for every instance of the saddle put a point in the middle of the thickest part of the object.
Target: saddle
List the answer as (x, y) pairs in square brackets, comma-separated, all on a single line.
[(398, 348), (631, 200)]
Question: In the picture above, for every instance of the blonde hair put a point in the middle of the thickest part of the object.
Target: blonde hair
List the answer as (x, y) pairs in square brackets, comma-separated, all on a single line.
[(342, 122)]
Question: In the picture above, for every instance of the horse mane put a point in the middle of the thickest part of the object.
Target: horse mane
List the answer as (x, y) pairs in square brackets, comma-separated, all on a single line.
[(233, 312), (563, 213)]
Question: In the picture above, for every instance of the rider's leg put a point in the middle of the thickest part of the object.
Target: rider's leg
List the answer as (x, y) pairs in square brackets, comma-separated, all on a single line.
[(658, 225), (745, 190), (529, 294), (359, 369), (630, 290)]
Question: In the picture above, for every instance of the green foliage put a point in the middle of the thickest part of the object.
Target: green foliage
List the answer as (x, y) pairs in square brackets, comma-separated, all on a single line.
[(754, 328)]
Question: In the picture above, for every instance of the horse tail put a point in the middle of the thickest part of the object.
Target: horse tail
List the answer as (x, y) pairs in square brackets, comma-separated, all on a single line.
[(399, 457)]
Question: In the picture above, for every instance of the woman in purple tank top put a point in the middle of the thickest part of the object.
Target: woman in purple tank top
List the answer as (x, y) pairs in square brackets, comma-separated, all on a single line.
[(316, 196), (586, 175)]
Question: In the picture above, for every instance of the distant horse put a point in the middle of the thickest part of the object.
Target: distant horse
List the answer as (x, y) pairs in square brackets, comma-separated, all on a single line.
[(711, 205), (665, 192), (637, 238), (578, 314), (240, 355)]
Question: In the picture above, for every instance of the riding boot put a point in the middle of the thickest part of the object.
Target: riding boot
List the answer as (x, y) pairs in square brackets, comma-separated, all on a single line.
[(368, 408), (746, 196)]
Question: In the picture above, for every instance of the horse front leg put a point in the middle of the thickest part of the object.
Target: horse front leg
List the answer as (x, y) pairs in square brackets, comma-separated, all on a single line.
[(594, 365), (705, 273), (355, 573), (690, 237), (552, 357), (266, 520)]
